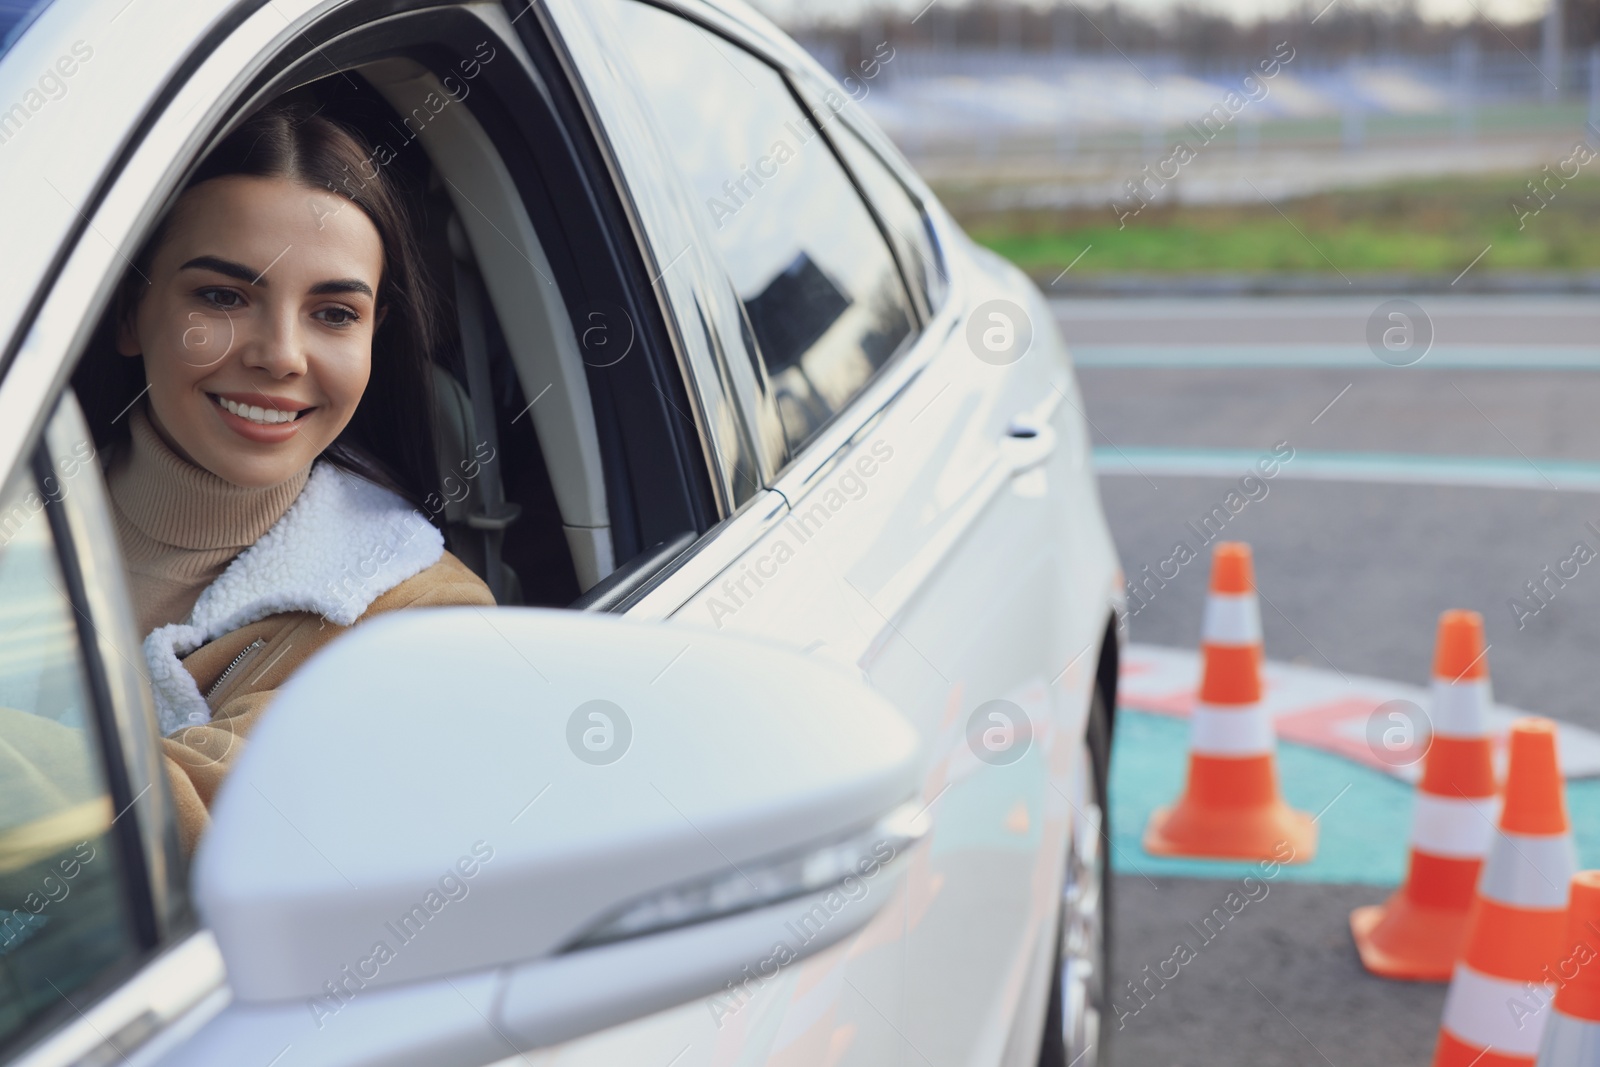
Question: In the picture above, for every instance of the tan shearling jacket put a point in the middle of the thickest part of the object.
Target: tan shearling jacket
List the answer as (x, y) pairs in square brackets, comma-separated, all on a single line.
[(346, 550)]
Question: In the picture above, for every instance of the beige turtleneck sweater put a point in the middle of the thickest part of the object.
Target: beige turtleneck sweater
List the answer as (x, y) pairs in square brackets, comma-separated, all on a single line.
[(180, 525)]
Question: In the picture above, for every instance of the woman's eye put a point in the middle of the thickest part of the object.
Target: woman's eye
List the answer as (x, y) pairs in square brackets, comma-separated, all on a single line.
[(338, 316), (222, 299)]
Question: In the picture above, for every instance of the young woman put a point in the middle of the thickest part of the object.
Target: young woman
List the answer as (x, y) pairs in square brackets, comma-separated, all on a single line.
[(277, 331)]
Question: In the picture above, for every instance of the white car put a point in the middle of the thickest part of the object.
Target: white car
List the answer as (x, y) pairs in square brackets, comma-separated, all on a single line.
[(788, 741)]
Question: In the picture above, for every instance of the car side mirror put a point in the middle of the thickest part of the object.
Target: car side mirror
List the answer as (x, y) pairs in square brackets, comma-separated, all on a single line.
[(465, 829)]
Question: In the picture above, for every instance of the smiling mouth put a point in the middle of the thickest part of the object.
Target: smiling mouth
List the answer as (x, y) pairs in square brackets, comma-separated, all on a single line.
[(258, 415)]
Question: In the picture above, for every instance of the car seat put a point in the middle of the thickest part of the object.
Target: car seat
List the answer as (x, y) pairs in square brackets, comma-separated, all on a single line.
[(471, 533)]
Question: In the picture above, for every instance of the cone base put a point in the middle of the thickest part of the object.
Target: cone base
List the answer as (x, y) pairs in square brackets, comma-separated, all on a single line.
[(1254, 833), (1406, 940)]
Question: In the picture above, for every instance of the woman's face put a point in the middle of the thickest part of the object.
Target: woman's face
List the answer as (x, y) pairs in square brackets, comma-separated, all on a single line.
[(256, 327)]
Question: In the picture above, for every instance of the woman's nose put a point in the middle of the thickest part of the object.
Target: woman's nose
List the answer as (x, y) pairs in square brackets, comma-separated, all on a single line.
[(281, 351)]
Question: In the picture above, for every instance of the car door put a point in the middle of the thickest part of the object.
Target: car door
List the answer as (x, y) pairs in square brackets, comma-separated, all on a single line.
[(924, 465)]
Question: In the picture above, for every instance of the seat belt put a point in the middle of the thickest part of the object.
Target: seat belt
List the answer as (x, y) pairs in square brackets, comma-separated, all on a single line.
[(493, 512)]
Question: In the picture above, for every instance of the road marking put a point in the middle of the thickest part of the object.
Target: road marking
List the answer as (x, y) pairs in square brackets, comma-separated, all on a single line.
[(1383, 468), (1308, 356)]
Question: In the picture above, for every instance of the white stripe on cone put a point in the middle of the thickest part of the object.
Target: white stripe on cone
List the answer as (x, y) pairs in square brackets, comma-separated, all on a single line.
[(1231, 619), (1570, 1042), (1454, 827), (1529, 870), (1461, 709), (1238, 730), (1476, 1011)]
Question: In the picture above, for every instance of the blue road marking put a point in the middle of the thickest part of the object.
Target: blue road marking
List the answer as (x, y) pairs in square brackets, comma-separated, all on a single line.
[(1363, 837), (1359, 357), (1384, 467)]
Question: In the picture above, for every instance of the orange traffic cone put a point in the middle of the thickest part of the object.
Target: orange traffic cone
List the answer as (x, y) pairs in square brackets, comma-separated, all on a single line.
[(1418, 932), (1572, 1036), (1495, 1010), (1230, 806)]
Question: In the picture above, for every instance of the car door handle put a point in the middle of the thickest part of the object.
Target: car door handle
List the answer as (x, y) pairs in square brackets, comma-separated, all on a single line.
[(1028, 442)]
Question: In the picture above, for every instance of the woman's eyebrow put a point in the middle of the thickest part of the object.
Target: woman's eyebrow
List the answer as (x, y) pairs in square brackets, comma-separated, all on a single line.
[(342, 285), (225, 266), (246, 274)]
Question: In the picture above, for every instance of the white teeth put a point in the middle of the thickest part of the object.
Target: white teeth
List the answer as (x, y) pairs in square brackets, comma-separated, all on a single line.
[(255, 413)]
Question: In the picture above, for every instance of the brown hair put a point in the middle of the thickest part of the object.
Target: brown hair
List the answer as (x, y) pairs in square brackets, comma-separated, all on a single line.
[(389, 439)]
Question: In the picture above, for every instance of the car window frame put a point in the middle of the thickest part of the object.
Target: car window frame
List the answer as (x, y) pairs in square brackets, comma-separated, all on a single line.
[(734, 406), (633, 447), (549, 72), (92, 569), (855, 422), (143, 833), (709, 557), (927, 299), (806, 80), (636, 529), (178, 979), (700, 308), (914, 302), (779, 458)]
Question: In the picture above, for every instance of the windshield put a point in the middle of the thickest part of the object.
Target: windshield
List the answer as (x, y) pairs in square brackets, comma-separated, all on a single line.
[(15, 17)]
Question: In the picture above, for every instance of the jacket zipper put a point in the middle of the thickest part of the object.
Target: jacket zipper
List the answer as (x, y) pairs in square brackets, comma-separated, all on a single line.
[(237, 660)]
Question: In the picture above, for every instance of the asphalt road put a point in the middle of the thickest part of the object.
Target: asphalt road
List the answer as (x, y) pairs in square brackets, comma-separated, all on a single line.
[(1356, 573)]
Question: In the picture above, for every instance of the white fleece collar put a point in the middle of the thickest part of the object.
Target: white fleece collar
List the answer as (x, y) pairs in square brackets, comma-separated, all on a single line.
[(344, 542)]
